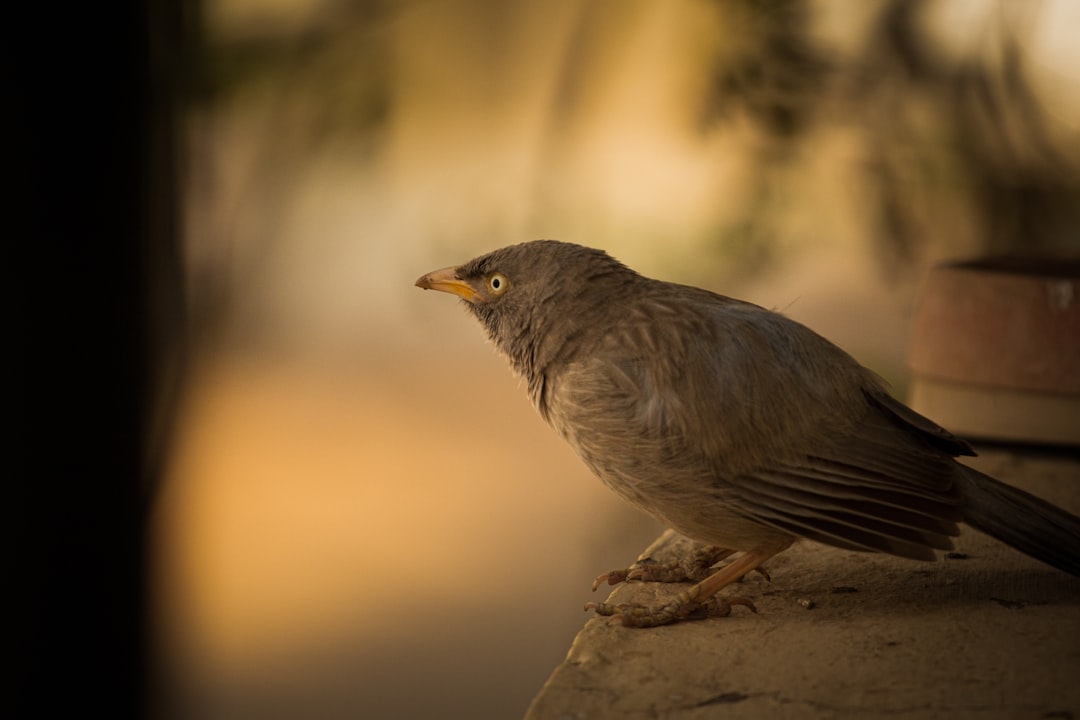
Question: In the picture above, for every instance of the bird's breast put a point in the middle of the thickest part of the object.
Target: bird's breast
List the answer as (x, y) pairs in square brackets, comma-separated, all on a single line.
[(647, 462)]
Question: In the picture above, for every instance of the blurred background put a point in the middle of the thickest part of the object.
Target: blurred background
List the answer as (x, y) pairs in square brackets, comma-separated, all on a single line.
[(358, 513), (363, 516)]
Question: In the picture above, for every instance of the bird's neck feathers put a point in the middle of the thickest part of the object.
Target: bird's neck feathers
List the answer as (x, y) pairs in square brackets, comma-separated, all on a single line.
[(531, 338), (557, 325)]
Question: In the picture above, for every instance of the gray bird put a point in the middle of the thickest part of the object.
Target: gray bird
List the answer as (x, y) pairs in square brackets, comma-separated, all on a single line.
[(732, 424)]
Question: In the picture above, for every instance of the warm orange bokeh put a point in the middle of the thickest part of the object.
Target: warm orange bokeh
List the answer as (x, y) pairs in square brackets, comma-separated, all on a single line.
[(370, 520)]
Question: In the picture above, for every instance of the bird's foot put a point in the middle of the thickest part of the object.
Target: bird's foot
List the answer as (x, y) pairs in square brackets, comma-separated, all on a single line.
[(699, 601), (681, 608), (693, 567)]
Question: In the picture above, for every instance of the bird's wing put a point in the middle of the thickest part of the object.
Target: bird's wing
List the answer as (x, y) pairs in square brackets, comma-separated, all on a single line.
[(797, 434), (936, 435), (876, 488)]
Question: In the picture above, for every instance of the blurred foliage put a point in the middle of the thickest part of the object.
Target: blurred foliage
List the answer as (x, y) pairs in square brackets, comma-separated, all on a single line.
[(951, 144), (939, 131), (333, 68), (990, 136), (768, 66)]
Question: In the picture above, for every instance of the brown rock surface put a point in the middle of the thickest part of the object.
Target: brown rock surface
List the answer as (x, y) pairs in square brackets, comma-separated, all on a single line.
[(983, 633)]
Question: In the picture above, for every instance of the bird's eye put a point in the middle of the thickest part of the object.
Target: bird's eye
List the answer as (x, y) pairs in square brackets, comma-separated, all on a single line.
[(498, 283)]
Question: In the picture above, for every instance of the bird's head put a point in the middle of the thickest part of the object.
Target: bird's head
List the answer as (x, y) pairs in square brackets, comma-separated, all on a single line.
[(534, 297)]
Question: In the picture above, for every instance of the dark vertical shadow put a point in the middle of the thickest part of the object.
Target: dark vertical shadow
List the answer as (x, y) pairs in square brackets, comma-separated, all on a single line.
[(94, 283)]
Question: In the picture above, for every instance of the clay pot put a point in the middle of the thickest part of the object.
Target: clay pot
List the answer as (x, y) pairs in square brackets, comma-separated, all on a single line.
[(995, 350)]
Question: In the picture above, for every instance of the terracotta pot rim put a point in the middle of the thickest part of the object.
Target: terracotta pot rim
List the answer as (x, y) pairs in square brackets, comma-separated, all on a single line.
[(1020, 265)]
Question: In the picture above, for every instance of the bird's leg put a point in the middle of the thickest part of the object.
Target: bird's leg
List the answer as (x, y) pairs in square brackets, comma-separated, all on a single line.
[(697, 602), (692, 567)]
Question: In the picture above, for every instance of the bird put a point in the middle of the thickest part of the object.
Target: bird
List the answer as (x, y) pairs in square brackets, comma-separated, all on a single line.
[(732, 424)]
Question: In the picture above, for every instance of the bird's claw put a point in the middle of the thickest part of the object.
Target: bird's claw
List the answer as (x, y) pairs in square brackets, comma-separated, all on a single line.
[(613, 577), (651, 572), (681, 608), (693, 568)]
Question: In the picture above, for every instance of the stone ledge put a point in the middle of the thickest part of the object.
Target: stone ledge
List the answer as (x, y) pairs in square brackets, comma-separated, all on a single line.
[(987, 633)]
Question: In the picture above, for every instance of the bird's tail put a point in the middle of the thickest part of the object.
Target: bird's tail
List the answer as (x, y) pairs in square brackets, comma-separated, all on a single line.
[(1017, 518)]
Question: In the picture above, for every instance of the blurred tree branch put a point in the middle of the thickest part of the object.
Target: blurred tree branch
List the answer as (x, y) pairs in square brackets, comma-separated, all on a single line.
[(940, 132), (955, 152)]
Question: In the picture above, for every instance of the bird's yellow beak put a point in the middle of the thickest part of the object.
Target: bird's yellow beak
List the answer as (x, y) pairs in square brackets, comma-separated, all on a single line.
[(447, 281)]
